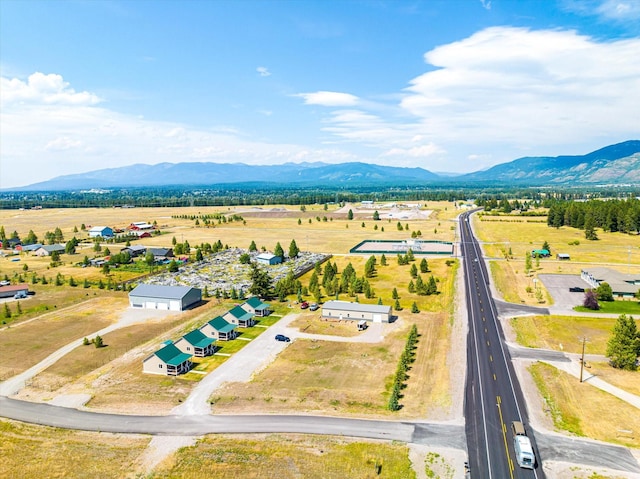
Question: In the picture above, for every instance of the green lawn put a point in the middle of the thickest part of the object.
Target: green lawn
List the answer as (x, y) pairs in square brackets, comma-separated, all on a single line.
[(614, 307)]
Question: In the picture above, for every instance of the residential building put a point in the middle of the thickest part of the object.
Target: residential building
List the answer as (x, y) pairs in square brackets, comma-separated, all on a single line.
[(256, 307), (239, 316), (219, 329), (169, 361), (196, 343)]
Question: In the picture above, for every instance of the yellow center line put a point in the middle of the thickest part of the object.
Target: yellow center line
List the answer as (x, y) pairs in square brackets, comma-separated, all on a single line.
[(504, 436)]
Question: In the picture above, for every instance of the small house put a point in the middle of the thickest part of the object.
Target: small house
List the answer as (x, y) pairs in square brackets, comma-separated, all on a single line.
[(268, 259), (256, 307), (563, 257), (196, 343), (101, 232), (169, 361), (219, 329), (49, 249), (240, 317)]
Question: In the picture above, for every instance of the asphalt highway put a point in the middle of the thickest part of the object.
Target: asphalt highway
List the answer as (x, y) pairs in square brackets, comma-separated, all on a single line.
[(493, 397)]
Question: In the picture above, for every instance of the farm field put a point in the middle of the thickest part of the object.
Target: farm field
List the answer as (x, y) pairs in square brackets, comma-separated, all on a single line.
[(60, 453), (584, 410)]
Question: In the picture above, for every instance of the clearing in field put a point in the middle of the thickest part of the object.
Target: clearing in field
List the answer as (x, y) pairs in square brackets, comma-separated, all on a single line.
[(288, 456), (584, 410)]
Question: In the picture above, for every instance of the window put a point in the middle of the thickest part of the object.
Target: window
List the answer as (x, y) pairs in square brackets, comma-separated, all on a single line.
[(160, 366)]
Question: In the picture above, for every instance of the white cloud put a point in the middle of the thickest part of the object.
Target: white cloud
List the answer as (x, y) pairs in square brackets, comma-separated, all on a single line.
[(620, 11), (62, 143), (486, 4), (41, 88), (511, 91), (263, 71), (329, 98)]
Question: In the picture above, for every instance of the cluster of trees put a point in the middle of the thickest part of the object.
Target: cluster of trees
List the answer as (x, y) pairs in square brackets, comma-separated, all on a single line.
[(423, 288), (592, 297), (404, 364), (612, 215), (504, 205), (55, 237)]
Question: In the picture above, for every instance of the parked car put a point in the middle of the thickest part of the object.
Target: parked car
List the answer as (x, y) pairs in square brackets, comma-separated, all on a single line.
[(304, 305), (576, 289), (313, 307), (20, 295), (283, 338), (5, 283)]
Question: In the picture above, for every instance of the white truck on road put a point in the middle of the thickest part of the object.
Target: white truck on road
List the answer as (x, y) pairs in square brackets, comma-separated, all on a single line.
[(522, 446)]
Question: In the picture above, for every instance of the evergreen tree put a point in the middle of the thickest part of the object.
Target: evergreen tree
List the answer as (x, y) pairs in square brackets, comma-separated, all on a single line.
[(383, 260), (412, 287), (623, 347), (424, 266), (376, 216), (414, 308), (528, 265), (278, 251), (7, 311), (413, 271), (432, 287), (173, 266), (97, 342), (199, 256), (604, 292), (589, 227), (394, 294), (350, 215), (397, 306), (253, 247), (261, 282)]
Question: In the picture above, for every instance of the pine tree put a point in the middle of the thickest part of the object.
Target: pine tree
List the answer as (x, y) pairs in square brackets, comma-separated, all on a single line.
[(278, 251), (7, 311), (350, 215), (97, 342), (414, 308), (394, 294), (424, 266), (413, 271), (397, 306), (293, 249), (623, 347), (383, 260)]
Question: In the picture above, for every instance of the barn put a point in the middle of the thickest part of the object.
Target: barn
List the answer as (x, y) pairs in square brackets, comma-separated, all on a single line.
[(376, 313), (268, 259), (173, 298)]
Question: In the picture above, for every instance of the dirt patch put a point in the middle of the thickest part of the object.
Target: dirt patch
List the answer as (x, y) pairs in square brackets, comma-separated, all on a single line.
[(313, 324)]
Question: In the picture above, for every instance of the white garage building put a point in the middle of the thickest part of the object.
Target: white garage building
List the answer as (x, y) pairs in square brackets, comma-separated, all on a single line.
[(173, 298), (376, 313)]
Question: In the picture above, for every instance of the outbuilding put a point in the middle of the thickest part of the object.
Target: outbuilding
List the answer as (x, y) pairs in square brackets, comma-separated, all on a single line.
[(101, 231), (376, 313), (49, 249), (169, 361), (173, 298), (11, 290), (563, 257), (268, 259)]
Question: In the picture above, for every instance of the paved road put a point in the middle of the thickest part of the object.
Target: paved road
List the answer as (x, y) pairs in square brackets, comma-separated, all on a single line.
[(493, 397)]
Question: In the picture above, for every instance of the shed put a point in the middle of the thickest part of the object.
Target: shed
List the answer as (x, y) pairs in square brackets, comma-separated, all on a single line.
[(377, 313), (196, 343), (48, 249), (11, 290), (218, 328), (563, 256), (101, 231), (169, 361), (256, 307), (268, 258), (239, 316), (174, 298)]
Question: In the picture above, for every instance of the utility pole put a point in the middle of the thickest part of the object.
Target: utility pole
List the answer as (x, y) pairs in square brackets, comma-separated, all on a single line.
[(584, 340)]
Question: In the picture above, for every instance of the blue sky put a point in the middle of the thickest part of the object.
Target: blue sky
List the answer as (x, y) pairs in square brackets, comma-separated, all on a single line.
[(452, 86)]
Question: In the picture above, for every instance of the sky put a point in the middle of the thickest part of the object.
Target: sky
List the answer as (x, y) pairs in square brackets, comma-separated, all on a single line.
[(448, 86)]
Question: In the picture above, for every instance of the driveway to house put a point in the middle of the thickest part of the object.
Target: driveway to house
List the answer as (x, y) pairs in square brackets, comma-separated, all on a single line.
[(128, 317), (256, 356)]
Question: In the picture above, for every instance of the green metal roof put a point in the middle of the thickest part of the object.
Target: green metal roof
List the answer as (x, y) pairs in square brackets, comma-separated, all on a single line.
[(197, 339), (240, 313), (256, 304), (171, 355), (220, 324)]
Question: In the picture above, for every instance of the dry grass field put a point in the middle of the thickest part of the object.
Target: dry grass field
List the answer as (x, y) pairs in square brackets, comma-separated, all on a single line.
[(312, 323), (36, 452), (287, 456), (584, 410), (499, 234), (25, 345), (627, 380)]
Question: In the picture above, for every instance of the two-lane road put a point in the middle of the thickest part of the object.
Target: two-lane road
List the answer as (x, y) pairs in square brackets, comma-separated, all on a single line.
[(493, 397)]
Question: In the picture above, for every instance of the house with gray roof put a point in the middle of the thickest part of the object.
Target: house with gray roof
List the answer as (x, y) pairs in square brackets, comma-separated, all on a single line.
[(219, 329), (256, 307), (239, 316), (169, 361), (49, 249), (339, 310), (196, 343), (172, 298), (622, 285)]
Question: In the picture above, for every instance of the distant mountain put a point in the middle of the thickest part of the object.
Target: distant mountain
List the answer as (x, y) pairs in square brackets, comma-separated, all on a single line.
[(615, 164), (171, 174)]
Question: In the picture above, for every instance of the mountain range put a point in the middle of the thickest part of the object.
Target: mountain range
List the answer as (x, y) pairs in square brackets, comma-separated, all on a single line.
[(614, 164)]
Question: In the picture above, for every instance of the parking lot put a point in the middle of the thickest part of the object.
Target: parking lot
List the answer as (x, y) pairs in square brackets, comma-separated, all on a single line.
[(558, 286)]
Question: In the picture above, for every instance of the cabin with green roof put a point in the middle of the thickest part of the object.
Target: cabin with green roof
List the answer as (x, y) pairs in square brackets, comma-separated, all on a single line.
[(256, 307), (196, 343), (169, 361), (218, 328), (239, 316)]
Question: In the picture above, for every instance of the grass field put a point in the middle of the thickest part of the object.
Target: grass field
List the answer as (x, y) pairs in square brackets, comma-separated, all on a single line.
[(614, 307), (36, 452), (564, 333), (584, 410), (25, 345), (288, 456)]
